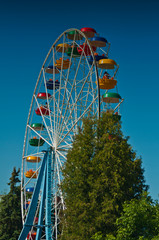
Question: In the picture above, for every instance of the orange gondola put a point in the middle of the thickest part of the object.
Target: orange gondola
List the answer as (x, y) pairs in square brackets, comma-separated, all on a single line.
[(31, 174)]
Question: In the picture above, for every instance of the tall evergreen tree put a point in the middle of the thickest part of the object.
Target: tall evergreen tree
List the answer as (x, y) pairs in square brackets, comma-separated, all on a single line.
[(101, 173), (10, 210)]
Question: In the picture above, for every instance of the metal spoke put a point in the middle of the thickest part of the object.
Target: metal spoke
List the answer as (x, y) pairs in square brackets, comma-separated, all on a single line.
[(78, 120), (43, 119), (73, 85), (40, 136), (48, 102), (77, 99)]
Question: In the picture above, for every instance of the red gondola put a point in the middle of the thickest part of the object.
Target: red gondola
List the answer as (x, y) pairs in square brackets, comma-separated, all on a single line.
[(89, 32), (85, 49), (43, 95), (45, 111), (31, 236)]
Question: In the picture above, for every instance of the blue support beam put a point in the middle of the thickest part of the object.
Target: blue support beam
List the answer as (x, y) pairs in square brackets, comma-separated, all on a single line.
[(48, 227), (32, 209), (42, 206)]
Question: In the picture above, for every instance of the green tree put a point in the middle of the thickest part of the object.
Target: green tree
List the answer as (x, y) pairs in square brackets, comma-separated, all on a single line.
[(99, 236), (101, 173), (139, 220), (10, 210)]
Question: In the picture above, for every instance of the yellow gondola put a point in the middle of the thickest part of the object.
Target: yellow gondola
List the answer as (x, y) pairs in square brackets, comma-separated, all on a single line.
[(62, 63), (33, 159), (62, 47), (31, 174), (106, 64), (105, 83)]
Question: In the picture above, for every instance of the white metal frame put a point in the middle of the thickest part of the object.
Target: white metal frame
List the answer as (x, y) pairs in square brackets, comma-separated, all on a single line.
[(77, 96)]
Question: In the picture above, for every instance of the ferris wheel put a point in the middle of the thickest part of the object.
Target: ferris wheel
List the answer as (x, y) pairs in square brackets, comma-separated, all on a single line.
[(77, 79)]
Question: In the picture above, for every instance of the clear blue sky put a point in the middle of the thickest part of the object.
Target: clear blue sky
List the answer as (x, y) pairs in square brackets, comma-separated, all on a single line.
[(27, 31)]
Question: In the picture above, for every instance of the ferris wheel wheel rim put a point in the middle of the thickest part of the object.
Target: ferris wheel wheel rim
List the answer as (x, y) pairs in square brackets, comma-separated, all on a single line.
[(41, 71)]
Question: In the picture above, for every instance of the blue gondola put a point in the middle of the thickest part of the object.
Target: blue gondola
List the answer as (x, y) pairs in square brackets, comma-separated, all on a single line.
[(52, 84), (97, 58), (30, 190), (98, 41)]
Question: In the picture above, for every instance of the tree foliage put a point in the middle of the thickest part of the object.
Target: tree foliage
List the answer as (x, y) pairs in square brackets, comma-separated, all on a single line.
[(10, 210), (139, 220), (101, 173)]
